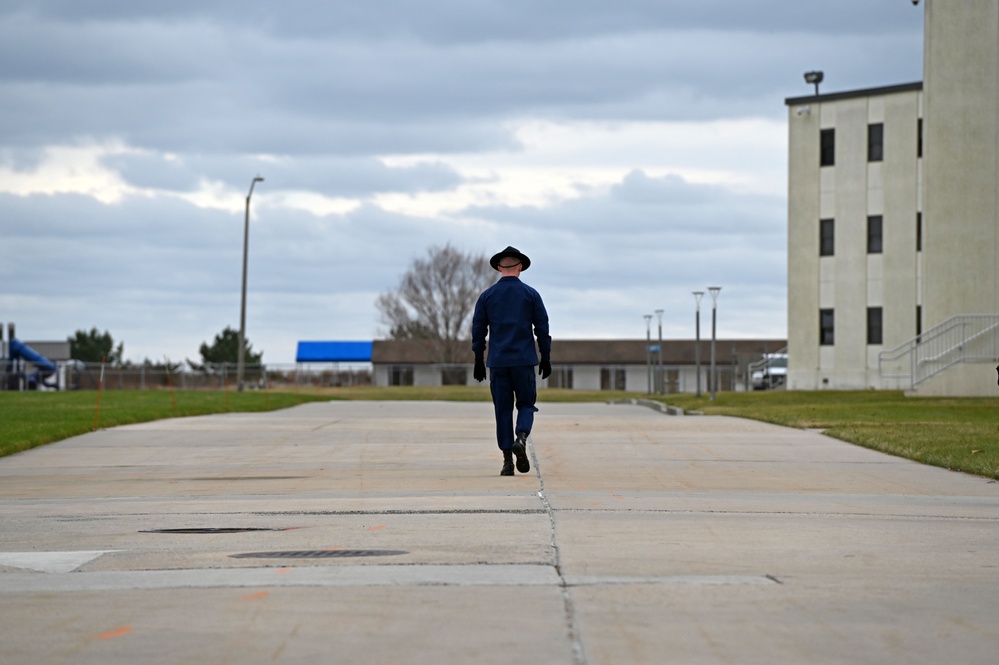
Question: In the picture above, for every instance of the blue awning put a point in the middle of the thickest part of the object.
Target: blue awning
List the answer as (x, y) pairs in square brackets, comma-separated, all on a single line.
[(333, 352)]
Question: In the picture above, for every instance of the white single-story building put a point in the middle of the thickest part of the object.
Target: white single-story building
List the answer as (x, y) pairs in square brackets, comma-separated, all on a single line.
[(625, 365)]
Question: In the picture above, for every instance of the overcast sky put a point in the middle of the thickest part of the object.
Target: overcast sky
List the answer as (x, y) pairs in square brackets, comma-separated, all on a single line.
[(636, 150)]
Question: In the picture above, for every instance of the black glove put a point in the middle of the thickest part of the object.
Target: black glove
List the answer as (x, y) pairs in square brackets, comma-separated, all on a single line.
[(545, 369), (479, 373)]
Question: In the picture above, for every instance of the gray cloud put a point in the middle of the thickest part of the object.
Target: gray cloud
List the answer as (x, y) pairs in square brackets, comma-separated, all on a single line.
[(450, 21), (642, 205), (331, 176), (228, 77)]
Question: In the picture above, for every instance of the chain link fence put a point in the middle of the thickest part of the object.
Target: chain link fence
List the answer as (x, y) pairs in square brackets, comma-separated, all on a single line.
[(75, 375)]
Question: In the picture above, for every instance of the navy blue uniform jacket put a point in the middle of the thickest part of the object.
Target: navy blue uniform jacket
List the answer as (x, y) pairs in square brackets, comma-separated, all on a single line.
[(509, 309)]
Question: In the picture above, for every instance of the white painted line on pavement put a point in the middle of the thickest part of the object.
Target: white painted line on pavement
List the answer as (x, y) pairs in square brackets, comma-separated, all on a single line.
[(49, 562)]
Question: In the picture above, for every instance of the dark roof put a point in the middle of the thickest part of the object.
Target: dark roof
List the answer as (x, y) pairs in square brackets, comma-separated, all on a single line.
[(333, 352), (675, 351), (850, 94), (54, 351), (415, 352), (591, 351)]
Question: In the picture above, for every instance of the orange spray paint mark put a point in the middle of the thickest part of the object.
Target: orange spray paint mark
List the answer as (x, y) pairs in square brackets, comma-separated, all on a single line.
[(282, 571), (173, 398), (100, 389), (254, 596), (118, 632), (377, 528)]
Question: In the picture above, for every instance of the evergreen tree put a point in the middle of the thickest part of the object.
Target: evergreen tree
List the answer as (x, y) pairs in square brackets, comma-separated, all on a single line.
[(94, 346), (225, 349)]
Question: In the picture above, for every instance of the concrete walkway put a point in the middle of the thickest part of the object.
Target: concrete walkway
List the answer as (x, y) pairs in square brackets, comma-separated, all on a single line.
[(354, 532)]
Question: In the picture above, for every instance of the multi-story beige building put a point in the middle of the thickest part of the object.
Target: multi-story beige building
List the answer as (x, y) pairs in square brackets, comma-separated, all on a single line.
[(961, 191), (893, 222), (853, 233)]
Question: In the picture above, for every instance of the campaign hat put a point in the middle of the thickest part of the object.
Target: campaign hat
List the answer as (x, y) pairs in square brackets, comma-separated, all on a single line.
[(525, 262)]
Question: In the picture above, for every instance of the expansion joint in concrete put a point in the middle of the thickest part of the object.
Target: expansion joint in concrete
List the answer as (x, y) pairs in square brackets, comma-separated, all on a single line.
[(572, 624)]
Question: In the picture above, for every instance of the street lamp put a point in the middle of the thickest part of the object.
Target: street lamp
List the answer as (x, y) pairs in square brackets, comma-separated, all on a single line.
[(648, 349), (659, 371), (697, 345), (815, 78), (242, 305), (713, 379)]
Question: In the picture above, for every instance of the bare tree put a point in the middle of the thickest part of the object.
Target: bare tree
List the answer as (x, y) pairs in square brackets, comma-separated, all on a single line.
[(435, 300)]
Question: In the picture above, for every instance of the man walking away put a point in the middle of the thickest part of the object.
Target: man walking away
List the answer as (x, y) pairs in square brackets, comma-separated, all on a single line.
[(513, 315)]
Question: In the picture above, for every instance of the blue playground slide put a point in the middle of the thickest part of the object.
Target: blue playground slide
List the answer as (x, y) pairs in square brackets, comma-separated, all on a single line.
[(44, 368)]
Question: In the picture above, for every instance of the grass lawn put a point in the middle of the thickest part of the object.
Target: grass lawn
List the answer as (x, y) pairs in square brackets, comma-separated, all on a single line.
[(954, 433)]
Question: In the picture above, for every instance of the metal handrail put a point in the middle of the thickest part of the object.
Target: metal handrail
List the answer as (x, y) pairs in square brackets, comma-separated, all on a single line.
[(961, 338)]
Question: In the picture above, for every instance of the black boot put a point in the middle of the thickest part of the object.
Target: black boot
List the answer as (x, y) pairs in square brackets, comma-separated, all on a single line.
[(520, 450), (507, 463)]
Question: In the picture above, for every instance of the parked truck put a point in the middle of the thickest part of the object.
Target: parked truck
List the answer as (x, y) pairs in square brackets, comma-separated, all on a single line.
[(769, 372)]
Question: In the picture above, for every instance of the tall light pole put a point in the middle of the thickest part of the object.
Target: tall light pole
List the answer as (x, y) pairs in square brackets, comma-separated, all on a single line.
[(714, 318), (242, 302), (659, 370), (648, 348), (697, 345)]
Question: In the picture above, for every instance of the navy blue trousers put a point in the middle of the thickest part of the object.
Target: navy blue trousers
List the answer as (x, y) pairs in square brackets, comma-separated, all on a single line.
[(513, 386)]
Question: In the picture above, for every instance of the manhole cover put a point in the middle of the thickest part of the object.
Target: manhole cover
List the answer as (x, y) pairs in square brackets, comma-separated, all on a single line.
[(316, 554), (237, 529)]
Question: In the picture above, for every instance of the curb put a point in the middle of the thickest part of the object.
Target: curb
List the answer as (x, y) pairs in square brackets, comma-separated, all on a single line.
[(652, 404)]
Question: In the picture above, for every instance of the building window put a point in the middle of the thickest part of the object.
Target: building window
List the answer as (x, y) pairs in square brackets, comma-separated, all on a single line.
[(400, 375), (826, 321), (612, 378), (874, 325), (827, 149), (561, 378), (454, 376), (875, 142), (827, 237), (919, 139), (874, 237), (919, 322), (919, 231)]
